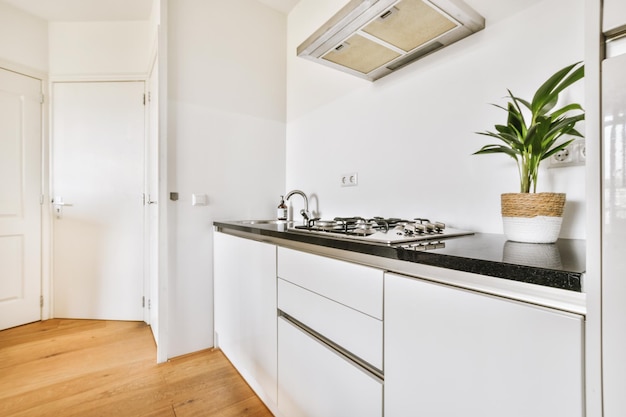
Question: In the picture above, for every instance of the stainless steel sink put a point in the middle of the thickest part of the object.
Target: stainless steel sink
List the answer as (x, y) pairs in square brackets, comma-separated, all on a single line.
[(265, 222)]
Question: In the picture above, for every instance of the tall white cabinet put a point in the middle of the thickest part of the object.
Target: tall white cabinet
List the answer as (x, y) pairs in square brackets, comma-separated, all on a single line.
[(245, 310), (451, 352), (613, 93)]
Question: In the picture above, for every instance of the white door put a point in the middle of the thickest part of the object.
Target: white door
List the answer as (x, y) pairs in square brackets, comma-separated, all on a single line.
[(97, 189), (20, 193)]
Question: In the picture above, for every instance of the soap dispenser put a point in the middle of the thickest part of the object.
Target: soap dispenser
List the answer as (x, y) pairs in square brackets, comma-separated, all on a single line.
[(281, 211)]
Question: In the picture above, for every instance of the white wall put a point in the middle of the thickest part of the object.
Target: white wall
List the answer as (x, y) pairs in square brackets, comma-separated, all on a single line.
[(410, 135), (107, 49), (226, 76), (23, 39)]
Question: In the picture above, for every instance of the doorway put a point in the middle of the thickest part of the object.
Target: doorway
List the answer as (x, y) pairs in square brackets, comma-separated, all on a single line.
[(97, 183)]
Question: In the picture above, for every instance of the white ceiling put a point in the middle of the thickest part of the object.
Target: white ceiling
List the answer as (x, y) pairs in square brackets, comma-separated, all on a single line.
[(106, 10), (85, 10), (284, 6), (114, 10)]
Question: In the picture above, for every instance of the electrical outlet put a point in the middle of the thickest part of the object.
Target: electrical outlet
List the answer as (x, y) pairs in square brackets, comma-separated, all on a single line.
[(349, 180), (574, 154)]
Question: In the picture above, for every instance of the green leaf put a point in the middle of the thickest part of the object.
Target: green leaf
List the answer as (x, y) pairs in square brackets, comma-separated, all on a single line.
[(487, 149), (556, 149), (563, 110), (548, 93)]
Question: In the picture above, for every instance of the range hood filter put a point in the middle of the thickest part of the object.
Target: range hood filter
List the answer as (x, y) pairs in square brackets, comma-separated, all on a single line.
[(372, 38)]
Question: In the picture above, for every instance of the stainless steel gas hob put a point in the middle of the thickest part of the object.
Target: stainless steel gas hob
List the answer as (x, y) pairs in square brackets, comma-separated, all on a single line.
[(379, 230)]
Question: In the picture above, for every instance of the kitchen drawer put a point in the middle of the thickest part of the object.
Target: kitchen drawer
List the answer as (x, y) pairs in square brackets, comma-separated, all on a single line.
[(356, 286), (315, 381), (352, 330)]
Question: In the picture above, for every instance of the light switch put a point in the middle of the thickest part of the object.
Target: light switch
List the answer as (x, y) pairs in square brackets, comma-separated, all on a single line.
[(199, 199)]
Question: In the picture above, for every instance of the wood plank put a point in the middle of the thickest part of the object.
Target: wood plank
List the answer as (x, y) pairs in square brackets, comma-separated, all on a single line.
[(107, 368)]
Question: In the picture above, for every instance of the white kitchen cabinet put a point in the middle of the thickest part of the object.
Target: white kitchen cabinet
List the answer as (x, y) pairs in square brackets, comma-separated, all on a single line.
[(245, 310), (451, 352), (316, 381)]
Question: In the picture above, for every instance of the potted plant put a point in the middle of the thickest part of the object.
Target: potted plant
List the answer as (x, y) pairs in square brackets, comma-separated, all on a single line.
[(533, 132)]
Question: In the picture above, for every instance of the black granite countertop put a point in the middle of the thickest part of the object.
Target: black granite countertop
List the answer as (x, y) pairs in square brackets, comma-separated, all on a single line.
[(559, 265)]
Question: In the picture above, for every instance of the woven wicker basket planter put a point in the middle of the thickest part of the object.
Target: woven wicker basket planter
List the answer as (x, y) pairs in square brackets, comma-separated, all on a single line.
[(532, 217)]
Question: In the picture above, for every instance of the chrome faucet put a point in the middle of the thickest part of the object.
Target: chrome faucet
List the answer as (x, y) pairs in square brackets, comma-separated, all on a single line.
[(305, 211)]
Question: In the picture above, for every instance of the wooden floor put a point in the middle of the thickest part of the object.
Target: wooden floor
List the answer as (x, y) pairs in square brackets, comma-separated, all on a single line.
[(64, 368)]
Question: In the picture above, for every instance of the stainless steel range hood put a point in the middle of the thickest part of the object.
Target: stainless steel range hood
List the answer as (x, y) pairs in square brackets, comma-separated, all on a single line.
[(372, 38)]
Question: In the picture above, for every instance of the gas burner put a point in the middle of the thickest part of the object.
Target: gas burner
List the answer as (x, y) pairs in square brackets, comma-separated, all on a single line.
[(324, 224), (363, 228), (368, 227), (379, 230)]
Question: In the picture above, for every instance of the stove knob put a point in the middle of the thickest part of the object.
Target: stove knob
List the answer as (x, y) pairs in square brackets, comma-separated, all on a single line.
[(439, 226), (419, 228), (430, 228)]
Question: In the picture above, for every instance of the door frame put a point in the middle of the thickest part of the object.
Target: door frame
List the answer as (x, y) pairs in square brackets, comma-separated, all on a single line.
[(166, 183), (151, 275), (159, 284)]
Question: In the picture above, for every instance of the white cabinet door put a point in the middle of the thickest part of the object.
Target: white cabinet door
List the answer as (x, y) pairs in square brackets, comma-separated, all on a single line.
[(315, 381), (245, 309), (451, 352)]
